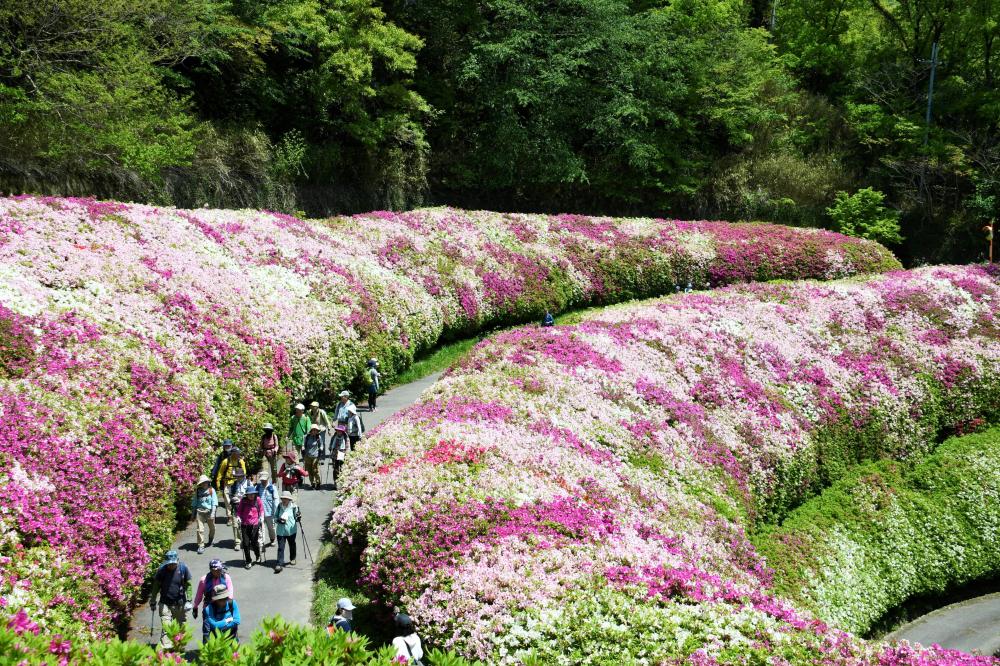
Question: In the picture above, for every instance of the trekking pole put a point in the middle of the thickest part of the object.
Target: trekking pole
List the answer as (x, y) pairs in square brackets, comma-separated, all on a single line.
[(152, 620), (305, 544)]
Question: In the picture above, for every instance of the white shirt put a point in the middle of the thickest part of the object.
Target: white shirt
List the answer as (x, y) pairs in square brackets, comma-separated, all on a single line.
[(413, 641)]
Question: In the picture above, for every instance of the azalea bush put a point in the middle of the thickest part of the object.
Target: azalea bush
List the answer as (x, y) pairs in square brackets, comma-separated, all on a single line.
[(891, 531), (570, 494), (132, 338), (22, 643)]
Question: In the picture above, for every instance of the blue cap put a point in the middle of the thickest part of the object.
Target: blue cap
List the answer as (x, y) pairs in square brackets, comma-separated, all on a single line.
[(227, 442), (172, 557)]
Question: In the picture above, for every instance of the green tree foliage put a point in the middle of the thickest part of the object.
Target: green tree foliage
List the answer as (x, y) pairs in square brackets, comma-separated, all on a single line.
[(862, 214)]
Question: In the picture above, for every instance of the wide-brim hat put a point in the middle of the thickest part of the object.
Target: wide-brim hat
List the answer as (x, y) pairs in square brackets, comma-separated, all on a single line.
[(315, 426), (203, 479), (344, 394), (172, 557), (290, 456), (286, 495), (251, 490), (268, 426), (314, 403), (220, 592), (263, 476)]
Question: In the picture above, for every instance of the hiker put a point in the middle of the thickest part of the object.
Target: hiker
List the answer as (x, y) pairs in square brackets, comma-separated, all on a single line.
[(319, 416), (204, 504), (407, 642), (227, 447), (222, 615), (298, 427), (347, 415), (171, 582), (373, 383), (338, 451), (226, 477), (341, 619), (250, 512), (310, 452), (291, 474), (215, 577), (287, 516), (548, 319), (235, 494), (268, 494), (269, 450)]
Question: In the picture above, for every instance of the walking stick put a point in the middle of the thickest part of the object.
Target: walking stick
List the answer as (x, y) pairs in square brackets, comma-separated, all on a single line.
[(152, 619), (305, 543)]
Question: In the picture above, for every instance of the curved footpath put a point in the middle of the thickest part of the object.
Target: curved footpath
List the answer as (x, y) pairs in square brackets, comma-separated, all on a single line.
[(971, 626), (260, 592)]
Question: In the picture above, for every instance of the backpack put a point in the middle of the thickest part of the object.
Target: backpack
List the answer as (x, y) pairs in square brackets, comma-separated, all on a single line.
[(206, 590)]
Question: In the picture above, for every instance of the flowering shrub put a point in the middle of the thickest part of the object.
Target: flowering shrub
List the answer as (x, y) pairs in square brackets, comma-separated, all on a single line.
[(621, 463), (890, 532), (132, 337), (276, 642)]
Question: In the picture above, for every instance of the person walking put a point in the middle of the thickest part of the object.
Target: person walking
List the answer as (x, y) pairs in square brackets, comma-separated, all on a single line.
[(170, 582), (291, 474), (227, 447), (319, 416), (407, 642), (355, 424), (268, 494), (235, 494), (222, 615), (215, 577), (338, 451), (250, 512), (298, 427), (226, 477), (310, 452), (204, 504), (341, 619), (374, 384), (269, 450), (287, 517)]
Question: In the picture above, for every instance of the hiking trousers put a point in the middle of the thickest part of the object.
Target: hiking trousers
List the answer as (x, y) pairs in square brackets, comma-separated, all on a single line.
[(281, 548), (251, 541), (173, 612), (206, 523)]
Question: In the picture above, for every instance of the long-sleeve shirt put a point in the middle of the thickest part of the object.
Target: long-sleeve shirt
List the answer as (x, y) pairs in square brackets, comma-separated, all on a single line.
[(298, 428), (291, 475), (205, 595), (269, 444), (311, 446), (269, 496), (374, 376), (319, 416), (250, 511), (222, 620), (289, 527), (204, 501), (227, 472)]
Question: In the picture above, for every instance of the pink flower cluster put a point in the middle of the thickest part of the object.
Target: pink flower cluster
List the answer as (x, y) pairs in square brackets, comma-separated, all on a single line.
[(624, 461)]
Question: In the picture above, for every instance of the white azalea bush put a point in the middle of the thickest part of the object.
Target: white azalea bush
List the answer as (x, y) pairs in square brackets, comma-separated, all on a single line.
[(584, 494)]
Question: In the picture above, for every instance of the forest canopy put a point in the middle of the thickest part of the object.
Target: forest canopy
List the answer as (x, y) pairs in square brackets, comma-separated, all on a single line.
[(746, 110)]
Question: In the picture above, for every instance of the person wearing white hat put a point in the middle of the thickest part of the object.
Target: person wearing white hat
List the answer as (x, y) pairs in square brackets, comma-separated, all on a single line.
[(250, 511), (320, 417), (287, 516), (341, 619), (298, 428), (204, 504), (348, 417)]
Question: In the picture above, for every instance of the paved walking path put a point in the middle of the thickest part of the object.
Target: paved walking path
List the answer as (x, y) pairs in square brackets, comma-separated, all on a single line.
[(970, 626), (260, 592)]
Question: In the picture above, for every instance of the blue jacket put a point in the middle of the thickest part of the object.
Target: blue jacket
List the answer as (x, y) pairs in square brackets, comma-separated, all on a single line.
[(224, 620)]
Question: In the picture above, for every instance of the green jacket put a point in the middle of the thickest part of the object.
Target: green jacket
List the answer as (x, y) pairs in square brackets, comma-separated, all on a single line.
[(298, 428)]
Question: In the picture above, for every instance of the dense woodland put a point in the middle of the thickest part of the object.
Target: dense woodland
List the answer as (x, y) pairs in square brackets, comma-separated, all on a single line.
[(753, 110)]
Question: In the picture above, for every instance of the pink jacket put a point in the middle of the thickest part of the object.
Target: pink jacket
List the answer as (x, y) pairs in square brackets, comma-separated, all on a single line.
[(202, 593), (250, 512)]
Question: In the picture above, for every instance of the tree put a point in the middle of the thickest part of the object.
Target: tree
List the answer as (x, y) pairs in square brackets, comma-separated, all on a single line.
[(863, 215)]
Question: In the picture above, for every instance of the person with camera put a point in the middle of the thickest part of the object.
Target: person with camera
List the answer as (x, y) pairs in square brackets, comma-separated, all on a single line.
[(287, 517)]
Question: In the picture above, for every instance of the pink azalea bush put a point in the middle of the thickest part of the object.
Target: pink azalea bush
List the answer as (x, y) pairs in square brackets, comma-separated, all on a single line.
[(618, 467), (133, 337)]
